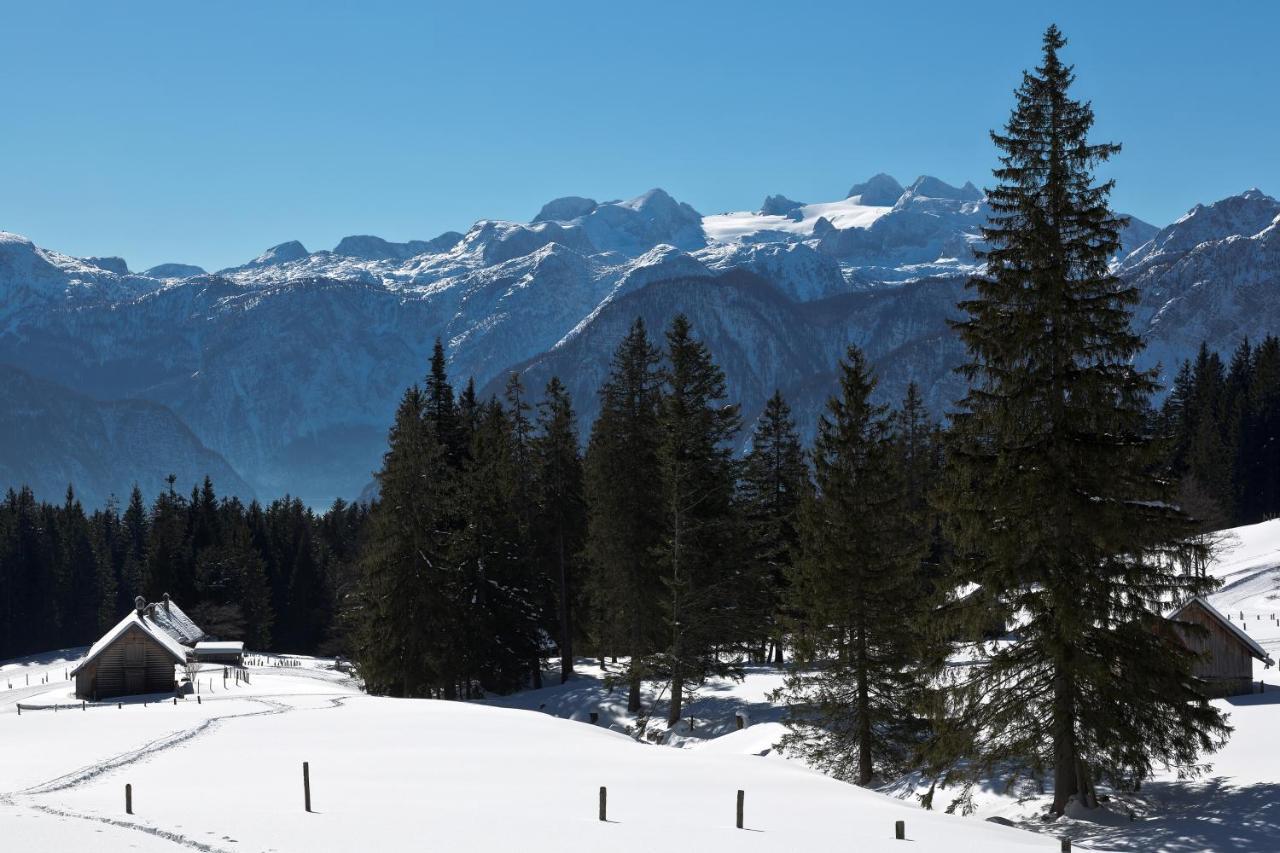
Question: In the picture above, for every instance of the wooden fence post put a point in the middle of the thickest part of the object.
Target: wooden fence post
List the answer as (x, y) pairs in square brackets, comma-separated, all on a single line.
[(306, 784), (1066, 844), (741, 796), (900, 830), (604, 800), (128, 799), (737, 718), (595, 717)]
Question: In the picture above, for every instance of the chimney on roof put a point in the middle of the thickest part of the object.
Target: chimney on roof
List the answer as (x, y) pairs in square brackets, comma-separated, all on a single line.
[(166, 602), (140, 604)]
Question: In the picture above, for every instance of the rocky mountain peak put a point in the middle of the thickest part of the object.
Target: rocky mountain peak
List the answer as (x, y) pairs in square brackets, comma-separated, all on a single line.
[(564, 209), (879, 190), (111, 264), (293, 250)]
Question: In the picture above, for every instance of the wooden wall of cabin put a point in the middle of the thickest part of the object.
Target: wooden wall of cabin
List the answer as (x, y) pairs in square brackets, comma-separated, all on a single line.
[(1227, 666), (134, 664)]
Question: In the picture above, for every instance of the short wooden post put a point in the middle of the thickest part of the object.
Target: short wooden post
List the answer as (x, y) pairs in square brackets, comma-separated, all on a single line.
[(691, 724), (604, 800), (737, 718), (198, 698), (82, 704), (741, 797), (595, 717), (900, 830), (119, 706), (128, 799), (306, 784), (1066, 845)]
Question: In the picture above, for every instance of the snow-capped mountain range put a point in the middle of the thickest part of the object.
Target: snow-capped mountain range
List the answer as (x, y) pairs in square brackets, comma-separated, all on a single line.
[(289, 366)]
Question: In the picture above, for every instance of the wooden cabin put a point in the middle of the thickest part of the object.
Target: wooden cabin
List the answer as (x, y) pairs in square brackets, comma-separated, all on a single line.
[(226, 652), (1227, 651), (136, 656)]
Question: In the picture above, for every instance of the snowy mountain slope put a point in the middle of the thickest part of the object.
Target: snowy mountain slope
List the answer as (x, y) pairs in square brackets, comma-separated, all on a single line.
[(290, 366), (31, 277), (59, 437), (765, 341), (1214, 275)]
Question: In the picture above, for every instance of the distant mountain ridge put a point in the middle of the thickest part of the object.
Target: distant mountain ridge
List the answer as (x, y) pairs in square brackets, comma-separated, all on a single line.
[(289, 366), (55, 438)]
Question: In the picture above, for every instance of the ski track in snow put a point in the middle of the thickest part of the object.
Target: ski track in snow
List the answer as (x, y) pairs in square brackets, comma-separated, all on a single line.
[(87, 774)]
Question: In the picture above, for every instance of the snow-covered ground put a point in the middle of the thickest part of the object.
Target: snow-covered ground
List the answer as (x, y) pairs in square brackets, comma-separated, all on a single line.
[(523, 772), (225, 774)]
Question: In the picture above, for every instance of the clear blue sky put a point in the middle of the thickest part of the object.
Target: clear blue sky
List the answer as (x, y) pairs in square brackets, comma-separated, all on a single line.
[(205, 132)]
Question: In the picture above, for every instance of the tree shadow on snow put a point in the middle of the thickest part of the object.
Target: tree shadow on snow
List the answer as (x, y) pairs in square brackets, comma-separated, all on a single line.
[(1210, 814)]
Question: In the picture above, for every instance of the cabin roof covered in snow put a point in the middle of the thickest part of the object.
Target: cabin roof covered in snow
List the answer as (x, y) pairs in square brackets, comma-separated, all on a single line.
[(169, 616), (1256, 650), (148, 625), (223, 647)]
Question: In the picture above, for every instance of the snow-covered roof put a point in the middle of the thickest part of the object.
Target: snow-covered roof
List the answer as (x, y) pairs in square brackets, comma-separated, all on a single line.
[(169, 616), (146, 624), (227, 647), (1256, 650)]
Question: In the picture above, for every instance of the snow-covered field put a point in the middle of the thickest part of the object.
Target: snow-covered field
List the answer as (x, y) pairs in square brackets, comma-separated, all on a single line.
[(523, 772), (226, 774)]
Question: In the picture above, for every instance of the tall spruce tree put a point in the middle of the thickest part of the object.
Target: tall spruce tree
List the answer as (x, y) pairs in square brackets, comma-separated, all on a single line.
[(700, 557), (562, 514), (404, 620), (497, 639), (855, 704), (775, 482), (1054, 505), (623, 488)]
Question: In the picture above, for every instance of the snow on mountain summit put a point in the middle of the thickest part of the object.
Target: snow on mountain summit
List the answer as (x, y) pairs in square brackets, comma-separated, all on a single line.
[(927, 186), (1243, 215), (796, 223)]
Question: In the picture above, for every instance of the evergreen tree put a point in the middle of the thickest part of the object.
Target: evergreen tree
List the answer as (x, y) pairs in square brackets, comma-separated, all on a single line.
[(624, 501), (399, 644), (137, 533), (699, 557), (562, 517), (1055, 504), (169, 566), (499, 610), (775, 481), (855, 703)]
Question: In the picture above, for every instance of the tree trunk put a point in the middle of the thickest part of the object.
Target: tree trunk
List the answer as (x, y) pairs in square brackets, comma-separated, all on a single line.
[(1066, 761), (633, 695), (677, 699), (566, 622), (864, 713)]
